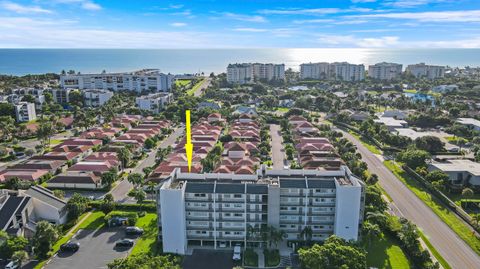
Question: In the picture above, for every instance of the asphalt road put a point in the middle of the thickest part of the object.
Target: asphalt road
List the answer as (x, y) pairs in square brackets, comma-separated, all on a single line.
[(202, 87), (455, 251), (97, 249), (278, 155), (123, 187)]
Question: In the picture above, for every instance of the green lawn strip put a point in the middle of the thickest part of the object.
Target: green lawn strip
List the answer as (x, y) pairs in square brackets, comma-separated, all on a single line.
[(93, 222), (55, 142), (282, 109), (410, 91), (371, 147), (182, 82), (148, 241), (435, 253), (448, 217), (384, 252), (195, 87), (250, 258)]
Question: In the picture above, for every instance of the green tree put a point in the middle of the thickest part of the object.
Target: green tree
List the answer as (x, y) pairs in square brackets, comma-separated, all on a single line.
[(429, 143), (20, 257), (140, 195), (413, 158), (307, 234), (7, 126), (108, 178), (136, 179), (59, 194), (149, 143), (145, 261), (45, 131), (76, 206), (11, 244), (7, 109), (370, 231), (28, 98), (467, 193), (334, 253), (45, 236), (108, 204), (124, 155)]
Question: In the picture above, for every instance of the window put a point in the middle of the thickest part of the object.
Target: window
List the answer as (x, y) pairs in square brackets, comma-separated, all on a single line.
[(237, 196)]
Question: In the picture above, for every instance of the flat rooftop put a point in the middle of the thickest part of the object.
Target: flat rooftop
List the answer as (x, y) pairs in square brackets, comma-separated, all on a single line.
[(459, 166)]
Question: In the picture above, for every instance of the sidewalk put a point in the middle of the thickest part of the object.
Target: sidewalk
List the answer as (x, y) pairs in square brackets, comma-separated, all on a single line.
[(261, 258)]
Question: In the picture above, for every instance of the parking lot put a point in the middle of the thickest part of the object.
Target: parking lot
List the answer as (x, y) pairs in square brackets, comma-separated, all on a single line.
[(211, 259), (97, 249)]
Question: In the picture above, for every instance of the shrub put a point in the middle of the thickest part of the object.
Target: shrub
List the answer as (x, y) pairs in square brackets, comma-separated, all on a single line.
[(132, 216)]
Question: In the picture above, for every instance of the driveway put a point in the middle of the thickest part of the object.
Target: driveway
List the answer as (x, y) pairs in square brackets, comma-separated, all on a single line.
[(209, 259), (278, 155), (97, 249)]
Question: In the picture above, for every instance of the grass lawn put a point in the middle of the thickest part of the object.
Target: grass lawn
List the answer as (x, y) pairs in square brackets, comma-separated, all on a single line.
[(384, 252), (458, 226), (195, 87), (93, 222), (55, 142), (371, 147), (148, 241), (410, 91), (250, 258), (272, 257), (182, 82), (283, 109)]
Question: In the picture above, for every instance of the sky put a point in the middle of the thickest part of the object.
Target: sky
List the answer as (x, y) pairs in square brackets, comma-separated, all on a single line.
[(240, 24)]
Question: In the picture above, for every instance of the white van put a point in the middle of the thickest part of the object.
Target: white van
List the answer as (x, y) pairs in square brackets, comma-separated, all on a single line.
[(237, 253)]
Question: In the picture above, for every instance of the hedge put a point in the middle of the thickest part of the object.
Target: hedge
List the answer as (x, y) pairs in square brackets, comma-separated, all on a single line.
[(132, 216), (149, 207)]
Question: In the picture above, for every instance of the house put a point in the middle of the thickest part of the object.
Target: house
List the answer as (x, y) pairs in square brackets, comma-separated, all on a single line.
[(470, 122), (15, 214), (96, 166), (214, 117), (460, 172), (360, 116), (51, 166), (392, 123), (245, 110), (32, 175), (245, 118), (445, 88), (212, 105), (296, 119), (305, 127), (73, 156), (397, 114), (46, 206), (76, 180), (286, 103)]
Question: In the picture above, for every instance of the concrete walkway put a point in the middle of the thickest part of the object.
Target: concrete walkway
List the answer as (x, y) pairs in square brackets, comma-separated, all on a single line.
[(261, 258)]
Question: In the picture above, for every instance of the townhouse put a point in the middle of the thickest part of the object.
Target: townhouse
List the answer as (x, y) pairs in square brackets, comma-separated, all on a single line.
[(217, 210), (460, 172)]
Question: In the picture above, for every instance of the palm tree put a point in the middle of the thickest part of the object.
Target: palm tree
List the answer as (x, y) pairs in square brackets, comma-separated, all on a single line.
[(124, 155), (377, 217), (20, 257), (307, 234), (370, 231)]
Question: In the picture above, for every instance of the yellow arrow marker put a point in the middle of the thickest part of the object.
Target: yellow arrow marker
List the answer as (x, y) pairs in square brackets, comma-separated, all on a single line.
[(188, 143)]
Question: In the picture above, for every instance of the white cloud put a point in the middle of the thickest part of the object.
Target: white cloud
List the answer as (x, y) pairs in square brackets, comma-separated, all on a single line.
[(176, 6), (241, 17), (17, 8), (412, 3), (312, 21), (85, 4), (252, 30), (178, 24), (429, 16), (353, 41)]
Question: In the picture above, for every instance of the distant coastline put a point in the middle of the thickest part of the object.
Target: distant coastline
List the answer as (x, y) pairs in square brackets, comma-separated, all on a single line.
[(39, 61)]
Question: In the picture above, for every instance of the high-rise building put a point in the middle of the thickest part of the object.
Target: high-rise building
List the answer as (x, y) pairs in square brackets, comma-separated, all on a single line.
[(427, 71), (96, 97), (385, 71), (61, 96), (221, 209), (333, 71), (154, 102), (138, 81), (25, 111), (249, 72)]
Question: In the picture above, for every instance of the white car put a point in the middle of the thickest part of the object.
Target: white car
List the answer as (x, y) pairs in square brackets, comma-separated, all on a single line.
[(11, 265), (237, 253)]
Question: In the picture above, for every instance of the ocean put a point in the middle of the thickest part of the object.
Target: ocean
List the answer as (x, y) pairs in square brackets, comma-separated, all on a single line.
[(38, 61)]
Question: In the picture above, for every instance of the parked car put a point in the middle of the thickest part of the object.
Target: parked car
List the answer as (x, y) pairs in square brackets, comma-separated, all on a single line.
[(125, 243), (70, 246), (12, 265), (237, 253), (133, 230)]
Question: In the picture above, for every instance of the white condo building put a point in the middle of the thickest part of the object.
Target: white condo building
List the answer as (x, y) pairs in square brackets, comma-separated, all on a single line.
[(96, 97), (25, 111), (219, 210), (138, 81), (61, 96), (427, 71), (385, 71), (154, 102), (249, 72), (333, 71)]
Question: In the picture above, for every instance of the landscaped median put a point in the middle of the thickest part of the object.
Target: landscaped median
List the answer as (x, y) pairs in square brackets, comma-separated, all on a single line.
[(447, 216)]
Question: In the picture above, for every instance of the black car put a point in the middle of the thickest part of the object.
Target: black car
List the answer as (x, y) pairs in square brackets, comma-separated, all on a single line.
[(125, 243), (70, 246), (133, 231)]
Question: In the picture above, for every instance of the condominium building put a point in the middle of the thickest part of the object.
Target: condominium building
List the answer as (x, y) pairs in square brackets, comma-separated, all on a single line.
[(333, 71), (25, 111), (428, 71), (249, 72), (138, 81), (385, 71), (96, 97), (154, 102), (220, 210), (61, 96), (38, 94)]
